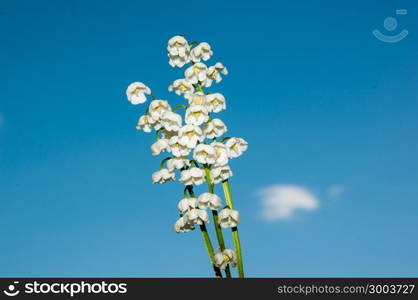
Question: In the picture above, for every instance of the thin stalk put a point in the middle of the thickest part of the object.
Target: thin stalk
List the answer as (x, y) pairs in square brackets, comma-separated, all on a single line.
[(218, 229), (199, 88), (235, 234), (209, 248), (237, 245), (206, 238), (157, 135), (193, 162), (179, 106), (163, 162)]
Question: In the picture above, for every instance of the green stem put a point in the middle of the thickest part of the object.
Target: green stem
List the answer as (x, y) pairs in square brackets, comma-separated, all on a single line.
[(206, 239), (179, 106), (199, 88), (225, 139), (209, 248), (235, 234), (218, 229), (193, 162), (194, 43), (163, 162), (227, 192)]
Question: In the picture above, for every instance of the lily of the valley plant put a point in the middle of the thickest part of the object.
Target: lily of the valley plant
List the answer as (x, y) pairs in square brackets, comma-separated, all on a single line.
[(195, 148)]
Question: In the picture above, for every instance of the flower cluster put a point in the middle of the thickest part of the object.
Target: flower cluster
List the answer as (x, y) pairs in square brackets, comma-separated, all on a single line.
[(194, 142)]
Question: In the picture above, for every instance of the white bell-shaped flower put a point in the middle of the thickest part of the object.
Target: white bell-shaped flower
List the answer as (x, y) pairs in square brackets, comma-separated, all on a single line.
[(178, 51), (221, 152), (177, 45), (162, 176), (196, 115), (198, 98), (214, 73), (136, 92), (236, 147), (214, 128), (171, 121), (146, 123), (196, 73), (197, 216), (160, 146), (179, 146), (157, 108), (224, 258), (215, 102), (219, 174), (178, 162), (204, 154), (187, 204), (209, 201), (228, 218), (183, 225), (178, 61), (192, 176), (202, 51), (181, 87), (191, 134)]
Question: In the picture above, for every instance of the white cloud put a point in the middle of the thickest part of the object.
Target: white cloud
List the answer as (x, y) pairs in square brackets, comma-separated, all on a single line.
[(282, 201), (336, 190)]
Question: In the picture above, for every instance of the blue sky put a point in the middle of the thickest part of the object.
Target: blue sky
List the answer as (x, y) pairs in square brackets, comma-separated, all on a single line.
[(321, 101)]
